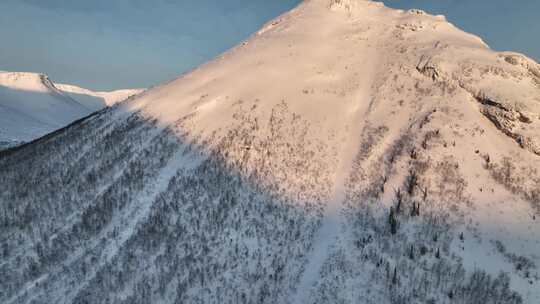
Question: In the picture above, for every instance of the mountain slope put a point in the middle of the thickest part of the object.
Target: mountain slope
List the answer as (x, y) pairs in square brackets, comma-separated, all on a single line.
[(346, 153), (32, 105)]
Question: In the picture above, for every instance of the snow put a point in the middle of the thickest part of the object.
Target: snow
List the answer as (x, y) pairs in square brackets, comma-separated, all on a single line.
[(313, 124), (110, 98), (31, 105), (333, 221)]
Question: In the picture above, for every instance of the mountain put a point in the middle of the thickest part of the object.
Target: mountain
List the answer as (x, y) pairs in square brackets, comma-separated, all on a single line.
[(31, 105), (346, 153)]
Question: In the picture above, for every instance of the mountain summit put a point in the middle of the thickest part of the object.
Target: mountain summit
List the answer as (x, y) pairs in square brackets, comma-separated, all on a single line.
[(346, 153)]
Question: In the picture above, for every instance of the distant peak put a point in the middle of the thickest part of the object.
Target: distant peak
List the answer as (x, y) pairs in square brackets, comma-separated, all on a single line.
[(29, 81), (21, 75)]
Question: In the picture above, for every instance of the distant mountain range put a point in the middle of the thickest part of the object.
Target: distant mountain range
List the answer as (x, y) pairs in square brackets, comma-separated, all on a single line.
[(31, 105)]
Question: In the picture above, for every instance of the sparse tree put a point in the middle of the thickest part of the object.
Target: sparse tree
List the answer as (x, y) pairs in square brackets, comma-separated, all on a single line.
[(392, 221)]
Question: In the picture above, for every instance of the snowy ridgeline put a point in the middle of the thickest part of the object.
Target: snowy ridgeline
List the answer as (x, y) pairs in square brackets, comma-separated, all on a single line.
[(395, 163), (31, 105)]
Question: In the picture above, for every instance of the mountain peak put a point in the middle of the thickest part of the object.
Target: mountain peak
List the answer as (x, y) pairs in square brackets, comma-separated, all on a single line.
[(26, 81), (346, 153), (352, 5)]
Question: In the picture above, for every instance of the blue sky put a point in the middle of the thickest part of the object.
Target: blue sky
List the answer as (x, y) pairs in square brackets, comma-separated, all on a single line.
[(108, 44)]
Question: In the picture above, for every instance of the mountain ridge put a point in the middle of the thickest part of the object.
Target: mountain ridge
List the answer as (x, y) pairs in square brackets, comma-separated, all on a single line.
[(33, 105), (345, 153)]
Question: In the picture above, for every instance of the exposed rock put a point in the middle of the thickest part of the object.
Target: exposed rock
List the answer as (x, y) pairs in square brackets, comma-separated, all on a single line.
[(509, 121), (515, 118)]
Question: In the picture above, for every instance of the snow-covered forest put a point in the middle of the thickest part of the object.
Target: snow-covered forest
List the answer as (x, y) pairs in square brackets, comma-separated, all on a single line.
[(387, 157)]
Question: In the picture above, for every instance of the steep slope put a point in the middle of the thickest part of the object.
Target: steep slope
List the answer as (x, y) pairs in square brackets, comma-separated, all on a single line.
[(346, 153), (32, 105)]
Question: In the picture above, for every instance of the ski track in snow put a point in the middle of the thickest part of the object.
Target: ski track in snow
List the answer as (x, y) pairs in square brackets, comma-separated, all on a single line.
[(177, 162), (328, 232), (70, 220), (333, 219)]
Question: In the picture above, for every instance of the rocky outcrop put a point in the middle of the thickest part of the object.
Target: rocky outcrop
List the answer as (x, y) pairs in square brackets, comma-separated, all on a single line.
[(511, 122), (520, 60), (516, 118)]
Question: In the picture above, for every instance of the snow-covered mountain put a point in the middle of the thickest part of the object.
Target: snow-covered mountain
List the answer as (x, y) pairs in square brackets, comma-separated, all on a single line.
[(345, 153), (31, 105)]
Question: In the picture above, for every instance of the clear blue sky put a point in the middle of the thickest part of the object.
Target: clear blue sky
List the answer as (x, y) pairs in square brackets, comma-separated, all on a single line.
[(108, 44)]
